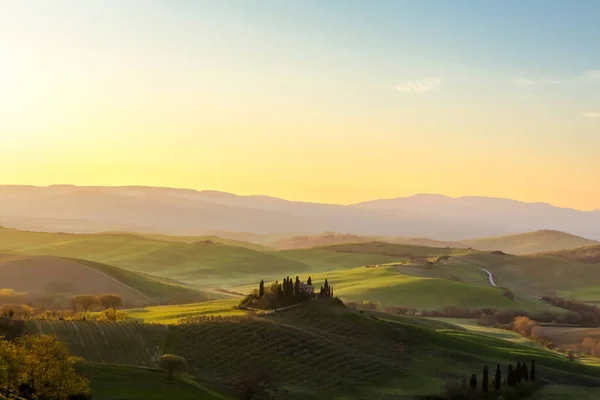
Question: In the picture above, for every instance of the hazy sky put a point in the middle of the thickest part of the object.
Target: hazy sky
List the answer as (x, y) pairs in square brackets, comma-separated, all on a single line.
[(322, 100)]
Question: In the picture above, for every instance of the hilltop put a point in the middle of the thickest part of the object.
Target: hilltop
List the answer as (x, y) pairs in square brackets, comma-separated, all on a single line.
[(48, 276), (530, 242), (587, 254)]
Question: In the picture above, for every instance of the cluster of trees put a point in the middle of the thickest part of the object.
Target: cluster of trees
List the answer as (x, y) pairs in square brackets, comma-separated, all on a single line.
[(519, 382), (514, 376), (289, 292), (87, 303), (581, 313), (39, 367)]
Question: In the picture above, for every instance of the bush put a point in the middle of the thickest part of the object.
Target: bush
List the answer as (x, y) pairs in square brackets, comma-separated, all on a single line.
[(174, 365)]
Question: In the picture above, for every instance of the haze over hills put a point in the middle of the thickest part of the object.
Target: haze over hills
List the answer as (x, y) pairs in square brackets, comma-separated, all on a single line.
[(184, 211)]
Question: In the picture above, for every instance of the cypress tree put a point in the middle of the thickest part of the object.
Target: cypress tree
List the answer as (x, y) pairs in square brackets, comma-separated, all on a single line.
[(309, 281), (524, 372), (509, 376), (518, 373), (280, 293), (326, 286), (498, 378), (473, 382), (331, 294), (261, 289), (532, 372), (297, 286), (485, 379)]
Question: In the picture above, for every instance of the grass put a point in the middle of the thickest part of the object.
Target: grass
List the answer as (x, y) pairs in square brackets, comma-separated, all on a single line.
[(531, 242), (199, 264), (535, 275), (390, 287), (586, 294), (173, 314), (558, 392), (111, 382), (472, 325), (107, 342), (318, 350)]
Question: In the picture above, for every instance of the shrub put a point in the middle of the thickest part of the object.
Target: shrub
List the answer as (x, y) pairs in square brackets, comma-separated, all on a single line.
[(174, 365)]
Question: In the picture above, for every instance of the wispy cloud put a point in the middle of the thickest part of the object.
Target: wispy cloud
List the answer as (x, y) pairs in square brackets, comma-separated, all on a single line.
[(419, 86), (591, 114)]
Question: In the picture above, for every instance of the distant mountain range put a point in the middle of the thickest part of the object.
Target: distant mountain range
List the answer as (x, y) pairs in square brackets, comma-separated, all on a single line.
[(183, 211)]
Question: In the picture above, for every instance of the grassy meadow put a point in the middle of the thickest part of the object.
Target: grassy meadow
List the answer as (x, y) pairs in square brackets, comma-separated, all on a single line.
[(172, 314)]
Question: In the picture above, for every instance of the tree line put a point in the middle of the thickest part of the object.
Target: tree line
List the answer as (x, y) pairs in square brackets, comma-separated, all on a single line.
[(289, 292), (518, 382)]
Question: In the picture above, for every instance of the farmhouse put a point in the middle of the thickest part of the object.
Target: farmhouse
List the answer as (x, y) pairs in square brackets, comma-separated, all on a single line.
[(307, 288)]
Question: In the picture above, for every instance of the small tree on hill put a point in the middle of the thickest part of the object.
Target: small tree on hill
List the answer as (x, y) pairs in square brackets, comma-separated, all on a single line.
[(518, 372), (297, 287), (85, 302), (498, 379), (309, 281), (261, 289), (174, 365), (532, 372), (473, 382), (485, 379), (110, 301)]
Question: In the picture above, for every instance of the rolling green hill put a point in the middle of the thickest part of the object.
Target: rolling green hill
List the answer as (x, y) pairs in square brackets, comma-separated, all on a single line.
[(531, 242), (535, 275), (359, 254), (390, 287), (320, 349), (587, 254), (198, 263), (43, 276)]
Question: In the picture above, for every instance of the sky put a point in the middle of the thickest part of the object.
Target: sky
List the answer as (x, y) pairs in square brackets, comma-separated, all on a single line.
[(319, 100)]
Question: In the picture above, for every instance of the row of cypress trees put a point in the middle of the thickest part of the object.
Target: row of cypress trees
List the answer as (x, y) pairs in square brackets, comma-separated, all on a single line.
[(514, 376)]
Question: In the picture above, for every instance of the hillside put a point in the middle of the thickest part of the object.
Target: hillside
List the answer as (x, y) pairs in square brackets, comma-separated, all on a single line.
[(323, 349), (535, 275), (531, 242), (358, 254), (200, 263), (48, 276), (587, 254)]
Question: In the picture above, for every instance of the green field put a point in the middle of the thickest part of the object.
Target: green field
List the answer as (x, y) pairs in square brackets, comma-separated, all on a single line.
[(392, 288), (198, 264), (111, 382), (557, 392), (586, 294), (107, 342), (173, 314), (535, 275), (318, 349)]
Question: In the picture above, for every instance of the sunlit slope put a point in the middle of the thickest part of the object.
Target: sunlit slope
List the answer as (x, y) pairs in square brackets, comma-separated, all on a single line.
[(535, 275), (531, 242), (359, 254), (587, 254), (198, 263), (392, 288), (172, 314)]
